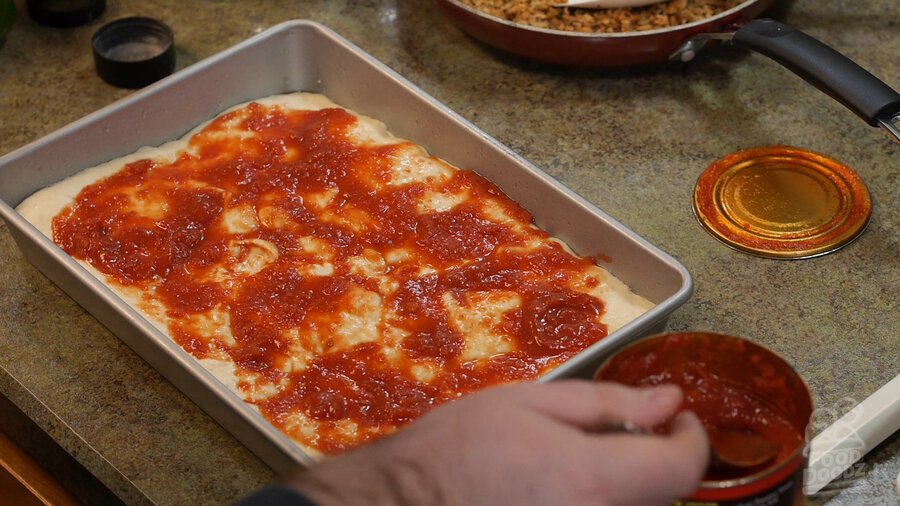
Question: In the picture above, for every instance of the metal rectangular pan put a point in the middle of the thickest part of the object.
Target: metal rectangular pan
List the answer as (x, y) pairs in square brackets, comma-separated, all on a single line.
[(302, 55)]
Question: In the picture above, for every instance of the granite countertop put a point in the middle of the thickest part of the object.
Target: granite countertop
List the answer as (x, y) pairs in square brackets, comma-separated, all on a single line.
[(631, 141)]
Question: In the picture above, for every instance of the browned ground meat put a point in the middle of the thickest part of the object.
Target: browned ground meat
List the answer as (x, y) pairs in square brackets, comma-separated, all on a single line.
[(542, 14)]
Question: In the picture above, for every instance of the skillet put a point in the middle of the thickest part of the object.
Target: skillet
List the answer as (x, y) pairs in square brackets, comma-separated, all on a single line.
[(830, 71)]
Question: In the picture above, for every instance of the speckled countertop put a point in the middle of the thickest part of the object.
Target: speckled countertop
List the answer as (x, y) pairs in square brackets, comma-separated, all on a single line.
[(632, 142)]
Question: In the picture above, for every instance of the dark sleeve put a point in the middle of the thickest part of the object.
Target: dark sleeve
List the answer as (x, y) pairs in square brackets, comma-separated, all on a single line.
[(275, 495)]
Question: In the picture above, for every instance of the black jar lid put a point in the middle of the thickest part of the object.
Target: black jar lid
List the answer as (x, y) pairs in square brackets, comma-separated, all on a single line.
[(65, 13), (134, 52)]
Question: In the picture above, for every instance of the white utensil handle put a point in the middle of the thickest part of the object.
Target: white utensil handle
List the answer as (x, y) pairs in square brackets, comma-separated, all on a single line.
[(846, 441)]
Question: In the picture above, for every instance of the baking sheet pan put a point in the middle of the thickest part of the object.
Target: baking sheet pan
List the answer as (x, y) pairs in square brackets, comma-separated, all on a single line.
[(306, 56)]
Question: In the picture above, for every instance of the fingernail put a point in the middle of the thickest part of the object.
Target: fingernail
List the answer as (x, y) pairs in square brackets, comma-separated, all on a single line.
[(661, 393), (687, 419)]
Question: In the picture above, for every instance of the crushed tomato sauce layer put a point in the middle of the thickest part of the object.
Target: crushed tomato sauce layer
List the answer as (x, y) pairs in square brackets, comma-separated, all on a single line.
[(282, 280)]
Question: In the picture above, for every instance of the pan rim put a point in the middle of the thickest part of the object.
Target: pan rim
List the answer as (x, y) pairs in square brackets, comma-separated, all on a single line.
[(603, 35)]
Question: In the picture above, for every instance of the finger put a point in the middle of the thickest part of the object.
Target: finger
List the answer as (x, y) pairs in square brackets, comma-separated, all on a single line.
[(681, 456), (596, 405), (690, 447)]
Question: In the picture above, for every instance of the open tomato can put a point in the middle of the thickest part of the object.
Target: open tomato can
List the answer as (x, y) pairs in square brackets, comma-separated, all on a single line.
[(755, 407)]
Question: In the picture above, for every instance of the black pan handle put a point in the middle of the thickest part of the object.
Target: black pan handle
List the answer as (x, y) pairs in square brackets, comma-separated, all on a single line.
[(823, 67)]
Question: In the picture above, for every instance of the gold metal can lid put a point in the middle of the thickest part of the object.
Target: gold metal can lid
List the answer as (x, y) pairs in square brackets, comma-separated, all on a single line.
[(782, 202)]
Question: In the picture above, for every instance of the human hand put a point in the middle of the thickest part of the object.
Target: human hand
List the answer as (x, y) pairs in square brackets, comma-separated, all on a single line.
[(526, 444)]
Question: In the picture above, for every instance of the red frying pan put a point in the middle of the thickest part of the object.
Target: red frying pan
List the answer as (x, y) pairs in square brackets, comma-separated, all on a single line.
[(828, 70)]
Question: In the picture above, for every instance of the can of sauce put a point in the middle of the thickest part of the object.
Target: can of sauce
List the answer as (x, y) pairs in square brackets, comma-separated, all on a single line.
[(753, 404)]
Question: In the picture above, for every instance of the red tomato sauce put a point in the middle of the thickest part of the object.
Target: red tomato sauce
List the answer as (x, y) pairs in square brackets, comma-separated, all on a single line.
[(727, 384), (292, 157)]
